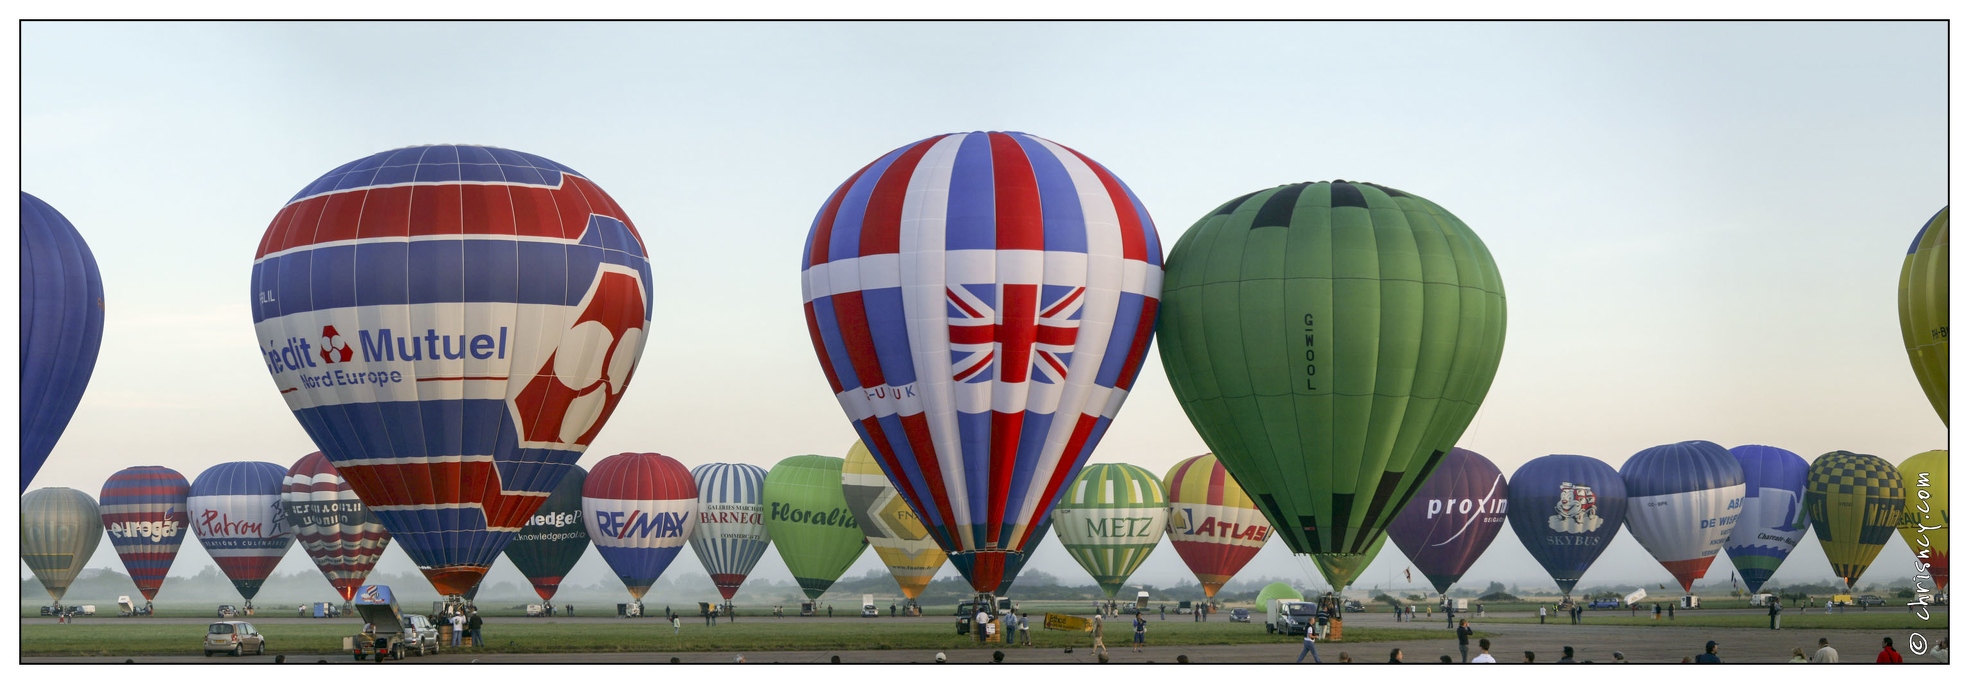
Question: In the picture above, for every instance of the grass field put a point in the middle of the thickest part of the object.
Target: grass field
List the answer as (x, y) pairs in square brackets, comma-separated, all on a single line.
[(134, 637), (1852, 619)]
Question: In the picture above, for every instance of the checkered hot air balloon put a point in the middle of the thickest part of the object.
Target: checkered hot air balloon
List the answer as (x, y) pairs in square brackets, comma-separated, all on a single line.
[(1855, 501), (981, 303), (731, 535), (332, 524), (237, 515), (452, 325), (144, 511)]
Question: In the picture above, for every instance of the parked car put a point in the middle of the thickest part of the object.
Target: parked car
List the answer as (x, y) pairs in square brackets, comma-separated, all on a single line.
[(1353, 606), (1870, 600), (1604, 604), (227, 610), (235, 637), (1240, 615)]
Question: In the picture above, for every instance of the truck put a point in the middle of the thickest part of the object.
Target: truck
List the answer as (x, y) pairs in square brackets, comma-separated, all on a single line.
[(387, 633), (868, 606), (1286, 616), (1691, 601), (1762, 600)]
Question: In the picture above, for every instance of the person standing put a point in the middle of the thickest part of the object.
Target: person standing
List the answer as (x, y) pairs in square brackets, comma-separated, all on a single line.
[(1826, 653), (1887, 652), (1141, 631), (1307, 647), (1463, 633), (457, 629), (1541, 615), (1449, 617), (1025, 629), (1162, 612), (830, 610), (978, 624), (892, 610), (1483, 653), (1774, 608), (477, 625), (1828, 606), (1671, 611), (1100, 645), (676, 624), (1709, 656)]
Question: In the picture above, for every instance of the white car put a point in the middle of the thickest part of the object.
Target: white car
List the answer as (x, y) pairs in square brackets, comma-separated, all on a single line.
[(234, 637)]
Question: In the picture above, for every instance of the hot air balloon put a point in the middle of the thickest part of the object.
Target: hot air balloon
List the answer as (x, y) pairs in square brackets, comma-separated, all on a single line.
[(554, 538), (452, 325), (61, 328), (891, 527), (1453, 517), (1924, 518), (1924, 309), (1774, 519), (1111, 518), (1014, 562), (1276, 591), (731, 522), (1330, 342), (1683, 501), (1213, 525), (1340, 570), (1855, 501), (60, 528), (810, 522), (1565, 509), (143, 509), (640, 509), (331, 523), (237, 514), (1043, 270)]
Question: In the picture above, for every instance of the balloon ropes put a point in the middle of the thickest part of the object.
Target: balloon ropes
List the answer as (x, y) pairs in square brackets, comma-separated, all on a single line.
[(980, 304), (1282, 312), (452, 325), (61, 328)]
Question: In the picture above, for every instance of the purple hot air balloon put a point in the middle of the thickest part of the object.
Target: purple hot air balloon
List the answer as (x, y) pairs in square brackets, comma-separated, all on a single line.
[(1568, 508), (1453, 517)]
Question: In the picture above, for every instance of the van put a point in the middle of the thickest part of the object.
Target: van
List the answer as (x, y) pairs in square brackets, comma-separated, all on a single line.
[(868, 606), (1286, 616)]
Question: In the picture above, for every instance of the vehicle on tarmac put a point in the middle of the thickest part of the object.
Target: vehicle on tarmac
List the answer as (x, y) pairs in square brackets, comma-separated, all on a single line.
[(234, 637), (227, 610), (868, 608), (1604, 604), (1354, 606), (1240, 615), (1870, 600), (1289, 617), (387, 633)]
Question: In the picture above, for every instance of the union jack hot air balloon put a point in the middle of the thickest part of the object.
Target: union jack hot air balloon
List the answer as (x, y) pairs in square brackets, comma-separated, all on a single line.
[(331, 523), (981, 303), (452, 325), (144, 511)]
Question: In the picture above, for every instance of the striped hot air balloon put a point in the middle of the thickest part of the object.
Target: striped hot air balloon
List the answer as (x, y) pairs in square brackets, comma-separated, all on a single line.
[(452, 325), (554, 538), (60, 529), (332, 524), (898, 536), (1855, 501), (143, 509), (639, 509), (237, 515), (731, 532), (1683, 500), (981, 304), (1111, 518), (1213, 525)]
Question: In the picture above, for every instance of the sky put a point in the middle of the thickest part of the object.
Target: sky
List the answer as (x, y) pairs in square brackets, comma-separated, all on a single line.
[(1699, 226)]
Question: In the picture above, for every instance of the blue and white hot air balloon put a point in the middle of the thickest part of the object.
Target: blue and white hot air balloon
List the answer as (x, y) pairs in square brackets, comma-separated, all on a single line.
[(639, 509), (61, 328), (731, 522), (1774, 518), (1683, 500), (238, 517)]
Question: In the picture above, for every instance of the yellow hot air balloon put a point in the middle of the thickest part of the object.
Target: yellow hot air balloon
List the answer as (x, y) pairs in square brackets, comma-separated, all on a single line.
[(1855, 501), (892, 527), (1924, 522), (1924, 309)]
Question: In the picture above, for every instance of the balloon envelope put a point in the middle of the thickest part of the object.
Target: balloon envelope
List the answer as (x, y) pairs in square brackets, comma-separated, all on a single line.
[(554, 538), (640, 509), (60, 528), (1683, 500), (1453, 517), (1278, 590), (731, 522), (61, 328), (1774, 518), (1331, 341), (1924, 519), (452, 325), (981, 304), (892, 528), (1340, 570), (809, 520), (1110, 520), (143, 509), (237, 514), (1855, 501), (1565, 509), (331, 523), (1924, 309), (1213, 525)]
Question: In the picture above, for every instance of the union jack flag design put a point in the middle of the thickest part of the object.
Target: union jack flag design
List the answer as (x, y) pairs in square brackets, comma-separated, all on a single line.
[(980, 304)]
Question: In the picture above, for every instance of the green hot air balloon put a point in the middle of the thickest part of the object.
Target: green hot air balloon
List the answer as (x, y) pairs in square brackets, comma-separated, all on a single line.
[(1111, 517), (1330, 342), (1276, 591), (1924, 309), (1340, 570), (1855, 501), (60, 528), (809, 521)]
